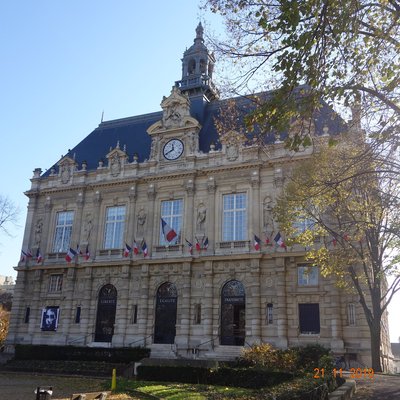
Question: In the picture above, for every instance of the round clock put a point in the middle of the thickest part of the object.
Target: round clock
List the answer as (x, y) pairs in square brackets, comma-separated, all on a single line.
[(173, 149)]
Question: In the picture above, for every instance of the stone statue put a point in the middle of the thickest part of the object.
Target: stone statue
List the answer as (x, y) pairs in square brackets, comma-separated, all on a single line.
[(141, 220), (38, 232), (88, 227), (268, 219), (201, 217)]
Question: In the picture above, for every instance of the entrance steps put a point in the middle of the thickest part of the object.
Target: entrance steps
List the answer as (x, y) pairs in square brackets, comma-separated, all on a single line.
[(163, 351), (224, 353), (105, 345)]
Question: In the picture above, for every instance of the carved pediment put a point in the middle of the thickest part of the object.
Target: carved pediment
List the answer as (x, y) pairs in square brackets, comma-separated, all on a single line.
[(66, 168), (176, 114), (116, 160)]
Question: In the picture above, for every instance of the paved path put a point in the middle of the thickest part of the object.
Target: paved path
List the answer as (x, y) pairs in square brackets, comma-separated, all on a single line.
[(381, 387), (21, 386)]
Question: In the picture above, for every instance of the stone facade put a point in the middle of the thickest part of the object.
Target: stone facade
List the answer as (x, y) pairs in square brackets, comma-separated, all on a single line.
[(207, 303)]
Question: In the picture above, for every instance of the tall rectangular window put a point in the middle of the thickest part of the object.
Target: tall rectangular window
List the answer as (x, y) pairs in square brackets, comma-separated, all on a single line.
[(27, 315), (62, 237), (114, 229), (172, 214), (309, 318), (55, 283), (135, 314), (78, 315), (351, 314), (307, 275), (234, 225), (270, 314), (197, 314)]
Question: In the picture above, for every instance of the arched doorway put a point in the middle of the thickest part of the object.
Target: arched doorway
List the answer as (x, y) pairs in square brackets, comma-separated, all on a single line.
[(106, 308), (165, 319), (233, 314)]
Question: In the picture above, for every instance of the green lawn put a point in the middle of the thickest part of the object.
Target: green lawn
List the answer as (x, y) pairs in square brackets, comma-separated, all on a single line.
[(182, 391)]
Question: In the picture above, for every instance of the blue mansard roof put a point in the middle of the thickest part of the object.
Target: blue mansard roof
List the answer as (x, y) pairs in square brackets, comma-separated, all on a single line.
[(131, 132)]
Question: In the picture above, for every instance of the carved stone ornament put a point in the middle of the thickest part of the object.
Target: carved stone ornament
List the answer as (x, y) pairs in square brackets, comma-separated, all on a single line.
[(115, 165), (66, 167), (175, 108), (116, 159), (232, 152)]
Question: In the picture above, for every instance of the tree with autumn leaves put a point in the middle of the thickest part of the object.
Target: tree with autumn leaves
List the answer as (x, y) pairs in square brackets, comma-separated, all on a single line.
[(349, 196), (345, 53)]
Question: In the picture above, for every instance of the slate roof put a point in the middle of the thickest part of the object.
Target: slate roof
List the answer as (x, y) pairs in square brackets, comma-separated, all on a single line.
[(132, 132)]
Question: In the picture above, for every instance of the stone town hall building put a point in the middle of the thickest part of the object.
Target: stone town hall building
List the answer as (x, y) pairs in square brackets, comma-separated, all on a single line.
[(114, 188)]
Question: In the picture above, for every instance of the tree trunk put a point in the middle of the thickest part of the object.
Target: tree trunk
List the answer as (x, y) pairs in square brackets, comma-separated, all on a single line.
[(375, 330)]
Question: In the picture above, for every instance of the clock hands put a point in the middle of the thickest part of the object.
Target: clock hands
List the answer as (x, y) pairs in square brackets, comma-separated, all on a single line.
[(173, 148)]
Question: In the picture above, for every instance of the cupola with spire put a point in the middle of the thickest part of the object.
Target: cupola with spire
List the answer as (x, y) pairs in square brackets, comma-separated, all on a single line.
[(197, 69)]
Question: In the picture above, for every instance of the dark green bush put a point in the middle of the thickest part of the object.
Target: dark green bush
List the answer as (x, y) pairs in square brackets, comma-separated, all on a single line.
[(252, 378), (225, 376), (73, 353), (309, 356), (183, 374)]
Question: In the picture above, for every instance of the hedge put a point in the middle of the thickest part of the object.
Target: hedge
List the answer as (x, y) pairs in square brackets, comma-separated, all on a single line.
[(225, 376), (73, 353)]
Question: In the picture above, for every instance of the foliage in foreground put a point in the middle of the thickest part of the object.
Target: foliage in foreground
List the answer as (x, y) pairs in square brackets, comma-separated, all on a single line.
[(346, 52), (297, 389), (348, 199)]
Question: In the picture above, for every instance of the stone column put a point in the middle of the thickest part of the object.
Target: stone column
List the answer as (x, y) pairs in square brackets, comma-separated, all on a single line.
[(182, 332), (67, 311), (145, 315), (255, 313), (97, 239), (256, 202), (207, 303), (152, 225), (337, 343), (281, 302), (122, 312), (46, 240), (211, 223), (88, 316), (76, 231), (131, 214), (189, 212)]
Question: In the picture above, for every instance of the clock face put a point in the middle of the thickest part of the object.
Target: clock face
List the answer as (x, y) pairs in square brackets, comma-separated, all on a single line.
[(173, 149)]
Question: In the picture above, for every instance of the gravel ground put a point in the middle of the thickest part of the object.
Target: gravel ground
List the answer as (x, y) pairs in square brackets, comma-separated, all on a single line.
[(18, 386)]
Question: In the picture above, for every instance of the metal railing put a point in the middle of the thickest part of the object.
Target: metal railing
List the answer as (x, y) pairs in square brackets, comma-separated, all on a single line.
[(144, 340)]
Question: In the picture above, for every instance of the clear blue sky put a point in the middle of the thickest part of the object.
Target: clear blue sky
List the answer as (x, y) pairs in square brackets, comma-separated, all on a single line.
[(65, 62)]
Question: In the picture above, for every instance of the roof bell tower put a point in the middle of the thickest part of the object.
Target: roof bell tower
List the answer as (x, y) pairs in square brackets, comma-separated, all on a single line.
[(197, 69)]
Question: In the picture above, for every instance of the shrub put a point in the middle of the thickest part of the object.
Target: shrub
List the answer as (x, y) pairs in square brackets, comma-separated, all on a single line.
[(74, 353), (309, 356), (237, 377), (266, 356)]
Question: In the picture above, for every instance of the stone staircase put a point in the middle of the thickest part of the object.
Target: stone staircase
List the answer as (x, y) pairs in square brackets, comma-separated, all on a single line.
[(223, 353)]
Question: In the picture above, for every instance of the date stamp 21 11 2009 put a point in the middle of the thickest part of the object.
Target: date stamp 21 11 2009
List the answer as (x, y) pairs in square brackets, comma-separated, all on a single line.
[(355, 373)]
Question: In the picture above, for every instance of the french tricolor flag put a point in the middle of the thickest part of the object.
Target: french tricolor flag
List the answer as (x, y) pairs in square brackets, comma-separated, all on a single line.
[(168, 232), (279, 240), (257, 242), (144, 249), (71, 253), (127, 250), (135, 248), (39, 257)]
